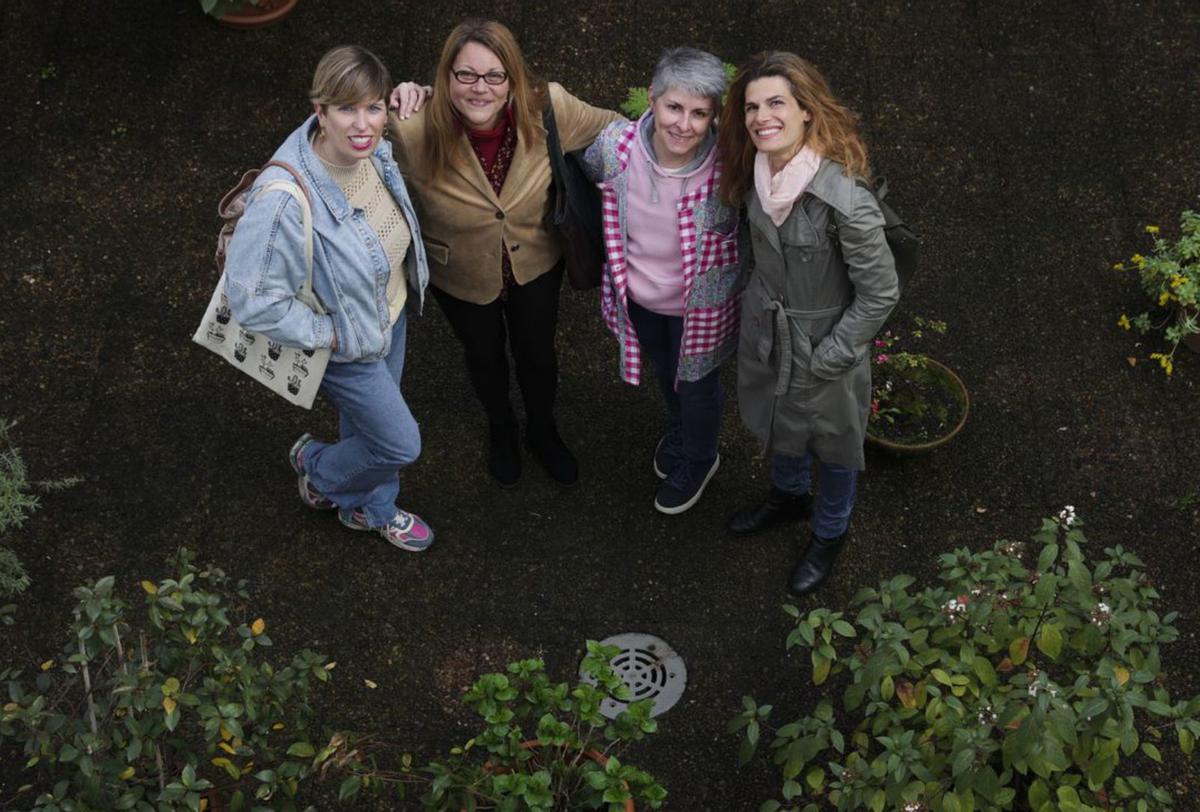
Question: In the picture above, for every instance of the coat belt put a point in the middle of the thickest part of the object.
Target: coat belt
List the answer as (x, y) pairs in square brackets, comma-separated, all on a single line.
[(782, 335)]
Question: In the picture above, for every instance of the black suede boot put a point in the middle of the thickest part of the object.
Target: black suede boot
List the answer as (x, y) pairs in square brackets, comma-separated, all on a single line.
[(780, 506), (504, 454), (811, 570), (548, 448)]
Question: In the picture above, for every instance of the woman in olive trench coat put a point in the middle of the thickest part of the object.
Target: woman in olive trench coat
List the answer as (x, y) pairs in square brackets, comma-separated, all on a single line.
[(821, 282)]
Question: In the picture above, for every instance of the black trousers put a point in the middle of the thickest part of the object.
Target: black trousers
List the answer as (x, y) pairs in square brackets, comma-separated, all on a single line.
[(529, 318)]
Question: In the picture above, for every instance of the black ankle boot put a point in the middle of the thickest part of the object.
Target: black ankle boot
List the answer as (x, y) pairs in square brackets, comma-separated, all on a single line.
[(552, 454), (504, 454), (780, 506), (811, 570)]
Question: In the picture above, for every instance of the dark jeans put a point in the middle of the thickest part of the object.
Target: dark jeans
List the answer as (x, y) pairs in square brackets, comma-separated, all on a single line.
[(694, 410), (529, 317)]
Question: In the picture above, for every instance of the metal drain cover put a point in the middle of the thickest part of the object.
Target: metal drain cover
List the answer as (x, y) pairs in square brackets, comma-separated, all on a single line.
[(650, 668)]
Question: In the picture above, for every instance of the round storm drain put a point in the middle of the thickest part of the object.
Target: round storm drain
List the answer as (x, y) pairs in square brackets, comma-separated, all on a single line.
[(650, 668)]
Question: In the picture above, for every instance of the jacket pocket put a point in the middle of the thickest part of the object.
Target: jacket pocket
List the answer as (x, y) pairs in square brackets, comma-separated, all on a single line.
[(709, 329), (436, 251), (718, 275)]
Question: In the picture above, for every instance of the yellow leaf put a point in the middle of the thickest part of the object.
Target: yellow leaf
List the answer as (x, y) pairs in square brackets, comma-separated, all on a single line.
[(370, 684), (1122, 674), (46, 666), (258, 627), (126, 773), (10, 707), (330, 666), (225, 734), (150, 588), (168, 704), (227, 748), (906, 695), (203, 804), (190, 634), (277, 726)]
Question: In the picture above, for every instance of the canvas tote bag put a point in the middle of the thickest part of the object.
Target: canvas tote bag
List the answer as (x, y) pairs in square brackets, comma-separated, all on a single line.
[(291, 373)]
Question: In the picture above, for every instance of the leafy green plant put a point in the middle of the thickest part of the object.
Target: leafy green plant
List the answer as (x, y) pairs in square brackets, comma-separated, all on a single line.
[(1029, 678), (910, 401), (1170, 277), (167, 713), (18, 499), (637, 99), (546, 746)]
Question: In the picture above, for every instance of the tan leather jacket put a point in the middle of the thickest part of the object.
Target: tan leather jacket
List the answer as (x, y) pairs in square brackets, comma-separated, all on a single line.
[(464, 224)]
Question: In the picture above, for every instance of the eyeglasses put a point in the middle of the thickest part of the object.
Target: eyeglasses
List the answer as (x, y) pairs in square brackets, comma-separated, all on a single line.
[(467, 76)]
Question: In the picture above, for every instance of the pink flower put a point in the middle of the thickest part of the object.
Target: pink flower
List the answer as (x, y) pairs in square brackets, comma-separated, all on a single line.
[(881, 358), (879, 342), (874, 407)]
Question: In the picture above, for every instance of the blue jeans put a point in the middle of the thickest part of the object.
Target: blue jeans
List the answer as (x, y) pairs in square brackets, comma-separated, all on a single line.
[(694, 409), (834, 499), (377, 434)]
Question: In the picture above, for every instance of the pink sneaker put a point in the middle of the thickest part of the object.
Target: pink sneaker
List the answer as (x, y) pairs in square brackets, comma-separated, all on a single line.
[(408, 531), (309, 495)]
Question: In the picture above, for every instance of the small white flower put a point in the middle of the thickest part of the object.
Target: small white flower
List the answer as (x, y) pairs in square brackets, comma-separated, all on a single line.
[(1066, 516)]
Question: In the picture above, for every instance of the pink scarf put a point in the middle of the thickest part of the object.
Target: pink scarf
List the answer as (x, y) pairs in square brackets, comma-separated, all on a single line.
[(777, 194)]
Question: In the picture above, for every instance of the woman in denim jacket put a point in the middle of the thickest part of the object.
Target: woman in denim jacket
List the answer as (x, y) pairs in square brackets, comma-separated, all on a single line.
[(369, 271), (670, 281)]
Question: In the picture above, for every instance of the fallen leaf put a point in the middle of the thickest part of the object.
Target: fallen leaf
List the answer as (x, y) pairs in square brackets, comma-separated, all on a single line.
[(258, 627), (150, 588), (1132, 361), (46, 666), (980, 509), (370, 684)]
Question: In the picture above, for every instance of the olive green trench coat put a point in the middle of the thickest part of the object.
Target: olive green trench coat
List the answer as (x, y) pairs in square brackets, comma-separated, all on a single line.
[(820, 287)]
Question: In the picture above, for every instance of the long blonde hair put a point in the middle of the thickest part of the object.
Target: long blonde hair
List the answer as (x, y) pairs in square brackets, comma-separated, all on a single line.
[(527, 92), (833, 130)]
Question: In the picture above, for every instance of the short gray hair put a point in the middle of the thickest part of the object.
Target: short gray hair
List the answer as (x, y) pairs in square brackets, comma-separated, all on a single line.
[(691, 71)]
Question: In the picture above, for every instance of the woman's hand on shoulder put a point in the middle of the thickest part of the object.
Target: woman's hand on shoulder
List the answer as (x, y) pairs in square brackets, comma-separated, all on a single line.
[(408, 97)]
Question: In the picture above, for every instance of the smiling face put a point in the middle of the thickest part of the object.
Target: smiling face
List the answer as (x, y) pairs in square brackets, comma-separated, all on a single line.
[(681, 120), (478, 104), (775, 120), (351, 131)]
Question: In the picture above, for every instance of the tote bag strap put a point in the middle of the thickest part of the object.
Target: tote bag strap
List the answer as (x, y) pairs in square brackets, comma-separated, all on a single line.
[(305, 293)]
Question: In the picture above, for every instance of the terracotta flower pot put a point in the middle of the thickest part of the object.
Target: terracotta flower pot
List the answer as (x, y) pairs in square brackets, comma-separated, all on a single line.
[(267, 12), (957, 391)]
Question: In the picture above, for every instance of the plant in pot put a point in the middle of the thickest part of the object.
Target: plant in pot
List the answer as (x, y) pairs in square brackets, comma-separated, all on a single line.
[(177, 710), (247, 13), (545, 746), (1170, 277), (1029, 678), (917, 403)]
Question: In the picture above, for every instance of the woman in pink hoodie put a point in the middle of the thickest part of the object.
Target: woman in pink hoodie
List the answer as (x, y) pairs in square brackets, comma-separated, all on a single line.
[(670, 288)]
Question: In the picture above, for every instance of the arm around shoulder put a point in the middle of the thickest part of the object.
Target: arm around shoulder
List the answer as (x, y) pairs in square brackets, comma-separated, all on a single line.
[(578, 122)]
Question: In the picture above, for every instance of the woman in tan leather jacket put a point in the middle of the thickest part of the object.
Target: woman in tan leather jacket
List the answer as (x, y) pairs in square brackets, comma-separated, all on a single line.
[(475, 161)]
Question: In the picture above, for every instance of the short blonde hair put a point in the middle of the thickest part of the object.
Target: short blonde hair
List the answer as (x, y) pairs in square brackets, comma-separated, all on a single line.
[(349, 74)]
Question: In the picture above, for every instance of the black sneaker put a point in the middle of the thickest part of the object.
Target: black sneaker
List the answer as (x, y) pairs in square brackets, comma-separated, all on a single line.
[(552, 454), (684, 487), (666, 456)]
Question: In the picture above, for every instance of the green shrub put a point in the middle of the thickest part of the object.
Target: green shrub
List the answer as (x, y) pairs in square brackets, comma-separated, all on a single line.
[(1029, 678), (546, 746), (152, 716), (17, 501)]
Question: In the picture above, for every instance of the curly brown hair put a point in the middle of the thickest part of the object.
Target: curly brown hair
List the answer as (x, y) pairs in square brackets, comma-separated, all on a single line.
[(833, 130)]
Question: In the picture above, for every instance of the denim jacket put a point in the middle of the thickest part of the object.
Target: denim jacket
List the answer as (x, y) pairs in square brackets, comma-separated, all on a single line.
[(265, 264)]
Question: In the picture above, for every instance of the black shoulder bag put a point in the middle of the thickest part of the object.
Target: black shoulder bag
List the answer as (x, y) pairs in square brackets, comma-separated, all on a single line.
[(574, 212)]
